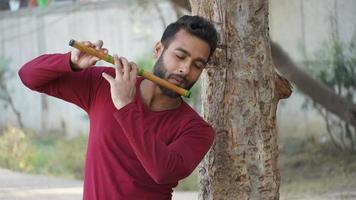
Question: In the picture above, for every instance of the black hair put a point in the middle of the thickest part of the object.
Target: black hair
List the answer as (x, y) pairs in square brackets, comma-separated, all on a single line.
[(195, 25)]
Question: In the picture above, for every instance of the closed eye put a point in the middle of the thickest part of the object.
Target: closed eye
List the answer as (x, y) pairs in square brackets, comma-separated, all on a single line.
[(180, 57), (199, 65)]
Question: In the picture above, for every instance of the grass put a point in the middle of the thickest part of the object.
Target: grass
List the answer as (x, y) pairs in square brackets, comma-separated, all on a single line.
[(42, 154), (310, 167), (307, 166)]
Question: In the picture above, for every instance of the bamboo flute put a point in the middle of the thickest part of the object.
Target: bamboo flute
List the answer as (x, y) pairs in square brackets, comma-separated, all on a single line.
[(141, 72)]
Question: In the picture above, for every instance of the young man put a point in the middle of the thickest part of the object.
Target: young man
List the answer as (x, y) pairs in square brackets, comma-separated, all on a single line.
[(143, 138)]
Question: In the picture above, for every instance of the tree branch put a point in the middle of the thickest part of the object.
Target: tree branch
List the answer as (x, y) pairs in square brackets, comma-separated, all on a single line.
[(315, 89)]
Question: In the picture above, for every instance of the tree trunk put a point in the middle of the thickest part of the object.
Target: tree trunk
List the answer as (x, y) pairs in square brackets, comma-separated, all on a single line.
[(240, 93), (311, 87)]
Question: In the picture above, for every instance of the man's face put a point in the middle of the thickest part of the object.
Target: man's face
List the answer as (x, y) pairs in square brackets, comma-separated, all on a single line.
[(182, 62)]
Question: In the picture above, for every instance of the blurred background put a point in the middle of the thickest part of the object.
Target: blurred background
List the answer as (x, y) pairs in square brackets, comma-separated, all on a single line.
[(43, 135)]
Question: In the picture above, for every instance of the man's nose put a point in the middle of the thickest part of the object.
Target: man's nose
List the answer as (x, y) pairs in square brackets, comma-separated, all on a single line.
[(184, 68)]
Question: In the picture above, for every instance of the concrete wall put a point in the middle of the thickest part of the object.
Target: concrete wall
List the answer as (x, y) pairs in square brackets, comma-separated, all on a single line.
[(308, 23), (294, 23), (126, 27), (130, 29)]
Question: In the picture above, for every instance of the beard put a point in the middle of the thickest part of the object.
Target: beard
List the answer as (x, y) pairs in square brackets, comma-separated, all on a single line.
[(160, 71)]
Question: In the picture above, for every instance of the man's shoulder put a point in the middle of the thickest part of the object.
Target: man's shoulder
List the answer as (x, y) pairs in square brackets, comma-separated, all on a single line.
[(193, 117), (194, 124)]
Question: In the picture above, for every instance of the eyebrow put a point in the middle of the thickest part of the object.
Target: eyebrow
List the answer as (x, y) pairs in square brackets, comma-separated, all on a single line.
[(187, 53)]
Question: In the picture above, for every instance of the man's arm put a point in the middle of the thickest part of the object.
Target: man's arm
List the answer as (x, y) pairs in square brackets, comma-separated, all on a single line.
[(165, 163), (52, 74), (67, 76)]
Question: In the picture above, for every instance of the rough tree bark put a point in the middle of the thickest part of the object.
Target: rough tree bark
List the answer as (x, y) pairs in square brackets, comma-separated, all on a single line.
[(241, 91)]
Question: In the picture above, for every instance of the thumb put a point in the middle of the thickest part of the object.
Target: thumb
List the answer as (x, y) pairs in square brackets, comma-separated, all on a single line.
[(75, 56), (107, 77)]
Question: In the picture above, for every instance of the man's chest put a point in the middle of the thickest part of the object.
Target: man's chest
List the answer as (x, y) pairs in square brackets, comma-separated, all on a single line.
[(105, 126)]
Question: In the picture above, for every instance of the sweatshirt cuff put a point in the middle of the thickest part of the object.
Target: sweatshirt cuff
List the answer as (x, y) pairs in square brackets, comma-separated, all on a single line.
[(68, 63)]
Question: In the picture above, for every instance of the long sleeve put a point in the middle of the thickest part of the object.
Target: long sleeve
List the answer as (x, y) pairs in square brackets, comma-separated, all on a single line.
[(165, 163), (51, 74)]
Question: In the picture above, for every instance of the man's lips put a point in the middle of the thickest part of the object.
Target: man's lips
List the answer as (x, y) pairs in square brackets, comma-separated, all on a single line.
[(176, 80)]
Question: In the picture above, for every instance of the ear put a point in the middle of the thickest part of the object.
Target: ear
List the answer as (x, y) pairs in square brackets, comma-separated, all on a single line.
[(157, 50)]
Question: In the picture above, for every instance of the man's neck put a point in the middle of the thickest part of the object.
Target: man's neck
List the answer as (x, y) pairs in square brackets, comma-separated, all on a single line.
[(153, 97)]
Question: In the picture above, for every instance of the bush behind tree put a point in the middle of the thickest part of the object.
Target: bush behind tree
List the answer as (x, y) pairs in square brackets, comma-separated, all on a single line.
[(336, 68)]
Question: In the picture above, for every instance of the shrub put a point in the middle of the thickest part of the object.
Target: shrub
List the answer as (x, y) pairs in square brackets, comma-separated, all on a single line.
[(42, 154), (13, 146)]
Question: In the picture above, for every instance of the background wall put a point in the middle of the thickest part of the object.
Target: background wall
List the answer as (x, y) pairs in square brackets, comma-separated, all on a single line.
[(130, 28), (26, 34)]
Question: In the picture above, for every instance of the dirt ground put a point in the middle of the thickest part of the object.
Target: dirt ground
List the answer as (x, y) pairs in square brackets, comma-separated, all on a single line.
[(19, 186)]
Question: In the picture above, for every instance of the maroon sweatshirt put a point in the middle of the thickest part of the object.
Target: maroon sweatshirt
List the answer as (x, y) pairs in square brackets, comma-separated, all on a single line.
[(132, 153)]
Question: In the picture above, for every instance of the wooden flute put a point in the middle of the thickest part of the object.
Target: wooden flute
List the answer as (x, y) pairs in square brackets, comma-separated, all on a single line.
[(141, 72)]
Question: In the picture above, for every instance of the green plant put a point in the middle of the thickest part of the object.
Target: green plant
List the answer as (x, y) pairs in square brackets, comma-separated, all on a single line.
[(146, 62), (56, 156), (337, 69), (70, 156), (13, 146), (42, 154), (311, 167)]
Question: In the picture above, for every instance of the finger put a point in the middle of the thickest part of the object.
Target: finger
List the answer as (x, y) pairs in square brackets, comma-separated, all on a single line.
[(98, 44), (106, 51), (77, 52), (118, 67), (75, 55), (87, 43), (125, 63), (133, 72), (107, 77)]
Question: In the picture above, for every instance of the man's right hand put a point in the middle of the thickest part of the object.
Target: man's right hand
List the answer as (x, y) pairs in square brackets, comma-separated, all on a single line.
[(80, 60)]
